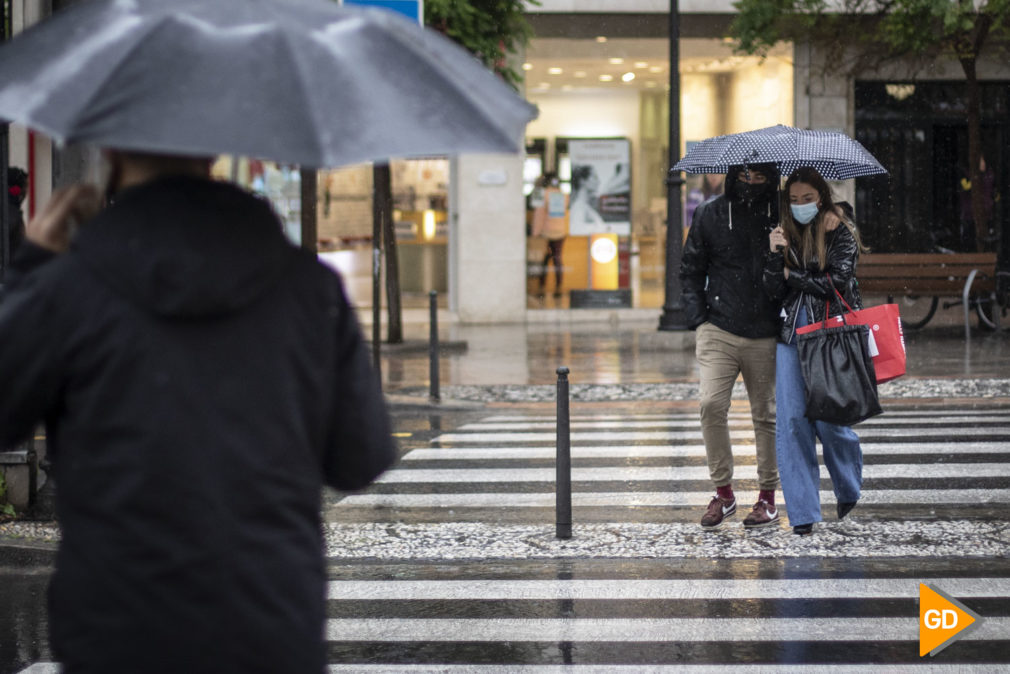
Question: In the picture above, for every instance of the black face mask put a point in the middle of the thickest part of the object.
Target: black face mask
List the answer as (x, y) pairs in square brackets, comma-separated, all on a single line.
[(748, 192)]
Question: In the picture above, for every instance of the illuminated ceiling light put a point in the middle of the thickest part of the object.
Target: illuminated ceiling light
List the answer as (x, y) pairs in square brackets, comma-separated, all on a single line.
[(544, 85), (617, 60), (554, 71), (579, 73), (641, 64), (627, 77), (527, 66), (606, 78), (656, 69), (601, 38)]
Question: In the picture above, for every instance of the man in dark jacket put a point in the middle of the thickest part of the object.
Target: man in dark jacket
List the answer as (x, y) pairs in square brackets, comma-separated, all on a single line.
[(200, 380), (736, 325)]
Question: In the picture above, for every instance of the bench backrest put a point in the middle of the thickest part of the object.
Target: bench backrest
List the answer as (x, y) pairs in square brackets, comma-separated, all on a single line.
[(930, 273)]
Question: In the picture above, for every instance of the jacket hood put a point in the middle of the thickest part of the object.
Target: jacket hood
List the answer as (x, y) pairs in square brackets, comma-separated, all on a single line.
[(186, 247), (770, 170)]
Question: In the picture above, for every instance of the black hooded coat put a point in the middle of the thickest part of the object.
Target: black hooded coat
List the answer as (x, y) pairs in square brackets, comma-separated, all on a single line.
[(723, 260), (201, 380)]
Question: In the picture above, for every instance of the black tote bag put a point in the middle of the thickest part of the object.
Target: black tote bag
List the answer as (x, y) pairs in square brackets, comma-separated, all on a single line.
[(840, 384)]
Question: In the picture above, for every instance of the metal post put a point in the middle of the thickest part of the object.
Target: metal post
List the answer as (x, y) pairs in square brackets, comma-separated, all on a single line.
[(672, 317), (433, 347), (380, 201), (5, 209), (563, 513)]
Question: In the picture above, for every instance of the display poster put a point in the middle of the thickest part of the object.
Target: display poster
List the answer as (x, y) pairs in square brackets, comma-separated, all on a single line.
[(700, 187), (600, 201)]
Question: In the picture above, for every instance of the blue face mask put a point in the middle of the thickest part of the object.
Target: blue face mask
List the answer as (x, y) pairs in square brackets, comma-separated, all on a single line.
[(804, 213)]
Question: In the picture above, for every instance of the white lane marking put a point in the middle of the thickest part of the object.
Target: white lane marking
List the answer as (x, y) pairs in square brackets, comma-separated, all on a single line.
[(670, 451), (925, 668), (946, 497), (643, 629), (636, 422), (939, 433), (629, 589), (677, 473), (956, 414)]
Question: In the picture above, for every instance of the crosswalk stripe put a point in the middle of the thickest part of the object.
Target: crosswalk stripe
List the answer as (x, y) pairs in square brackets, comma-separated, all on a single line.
[(635, 422), (680, 450), (936, 434), (955, 414), (630, 589), (642, 629), (918, 668), (675, 473), (661, 498)]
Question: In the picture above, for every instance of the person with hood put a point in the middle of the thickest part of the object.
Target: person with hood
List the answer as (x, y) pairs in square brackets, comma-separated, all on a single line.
[(736, 326), (200, 380), (808, 258)]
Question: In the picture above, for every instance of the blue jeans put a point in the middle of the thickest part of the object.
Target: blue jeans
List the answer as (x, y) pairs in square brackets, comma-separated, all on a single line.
[(796, 449)]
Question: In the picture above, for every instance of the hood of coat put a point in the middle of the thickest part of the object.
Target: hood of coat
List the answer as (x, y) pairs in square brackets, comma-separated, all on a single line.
[(186, 247), (770, 171)]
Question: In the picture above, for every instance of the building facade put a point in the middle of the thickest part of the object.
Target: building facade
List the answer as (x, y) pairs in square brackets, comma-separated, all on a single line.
[(599, 72)]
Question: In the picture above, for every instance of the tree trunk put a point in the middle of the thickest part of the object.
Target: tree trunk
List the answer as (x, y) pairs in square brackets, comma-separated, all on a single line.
[(975, 152), (309, 225), (382, 212), (393, 304)]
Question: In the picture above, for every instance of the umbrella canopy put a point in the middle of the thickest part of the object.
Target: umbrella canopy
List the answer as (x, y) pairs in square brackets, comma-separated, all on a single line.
[(297, 81), (833, 154)]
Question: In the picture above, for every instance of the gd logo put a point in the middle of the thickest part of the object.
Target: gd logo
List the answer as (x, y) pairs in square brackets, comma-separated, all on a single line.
[(942, 620)]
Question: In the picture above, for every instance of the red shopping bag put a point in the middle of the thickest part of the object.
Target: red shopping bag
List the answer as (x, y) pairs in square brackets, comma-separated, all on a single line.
[(887, 341)]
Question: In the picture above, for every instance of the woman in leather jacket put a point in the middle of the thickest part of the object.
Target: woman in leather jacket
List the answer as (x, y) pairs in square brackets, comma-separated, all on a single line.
[(804, 261)]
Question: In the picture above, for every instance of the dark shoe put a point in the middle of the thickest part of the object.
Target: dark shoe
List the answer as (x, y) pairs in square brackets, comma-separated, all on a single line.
[(845, 508), (803, 529), (718, 510), (761, 515)]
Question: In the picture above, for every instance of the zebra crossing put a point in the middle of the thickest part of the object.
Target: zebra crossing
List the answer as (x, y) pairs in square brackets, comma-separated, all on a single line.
[(449, 563)]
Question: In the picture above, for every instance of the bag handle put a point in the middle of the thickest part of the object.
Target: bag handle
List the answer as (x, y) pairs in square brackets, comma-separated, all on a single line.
[(827, 303)]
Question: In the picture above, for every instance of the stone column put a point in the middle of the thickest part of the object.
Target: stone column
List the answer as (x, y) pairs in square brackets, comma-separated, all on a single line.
[(487, 252)]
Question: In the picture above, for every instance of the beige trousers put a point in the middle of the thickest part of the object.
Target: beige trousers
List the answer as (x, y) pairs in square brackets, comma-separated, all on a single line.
[(722, 356)]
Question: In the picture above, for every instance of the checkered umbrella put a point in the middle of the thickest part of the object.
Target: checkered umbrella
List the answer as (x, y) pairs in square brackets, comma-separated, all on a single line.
[(833, 154)]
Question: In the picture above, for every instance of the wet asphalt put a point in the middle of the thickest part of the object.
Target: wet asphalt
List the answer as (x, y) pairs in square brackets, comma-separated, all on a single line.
[(634, 355)]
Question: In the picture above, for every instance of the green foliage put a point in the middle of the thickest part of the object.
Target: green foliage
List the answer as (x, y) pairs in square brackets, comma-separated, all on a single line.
[(6, 509), (882, 28), (490, 29)]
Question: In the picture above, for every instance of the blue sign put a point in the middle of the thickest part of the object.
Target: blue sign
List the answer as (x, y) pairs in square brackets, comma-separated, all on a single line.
[(412, 9)]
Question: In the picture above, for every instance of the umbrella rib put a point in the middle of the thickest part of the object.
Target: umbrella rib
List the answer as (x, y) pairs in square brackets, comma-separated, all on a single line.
[(306, 94)]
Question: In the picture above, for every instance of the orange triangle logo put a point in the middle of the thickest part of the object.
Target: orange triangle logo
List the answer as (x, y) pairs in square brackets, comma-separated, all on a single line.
[(942, 620)]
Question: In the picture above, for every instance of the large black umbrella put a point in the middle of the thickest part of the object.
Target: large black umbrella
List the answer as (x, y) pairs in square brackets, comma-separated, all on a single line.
[(833, 154), (298, 81)]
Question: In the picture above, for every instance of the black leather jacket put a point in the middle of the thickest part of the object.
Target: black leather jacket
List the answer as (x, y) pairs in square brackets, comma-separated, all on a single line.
[(811, 285), (721, 268)]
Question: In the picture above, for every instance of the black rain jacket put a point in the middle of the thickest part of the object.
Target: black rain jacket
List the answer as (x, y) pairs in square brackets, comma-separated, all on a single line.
[(723, 260), (811, 286), (201, 380)]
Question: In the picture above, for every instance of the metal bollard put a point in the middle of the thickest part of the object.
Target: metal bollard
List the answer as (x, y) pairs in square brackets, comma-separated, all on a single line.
[(433, 392), (563, 516)]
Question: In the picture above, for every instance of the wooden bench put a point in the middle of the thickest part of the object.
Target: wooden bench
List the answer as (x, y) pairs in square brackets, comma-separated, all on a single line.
[(926, 277)]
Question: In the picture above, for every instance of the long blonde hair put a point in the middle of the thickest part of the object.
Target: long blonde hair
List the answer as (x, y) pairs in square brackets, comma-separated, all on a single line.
[(807, 242)]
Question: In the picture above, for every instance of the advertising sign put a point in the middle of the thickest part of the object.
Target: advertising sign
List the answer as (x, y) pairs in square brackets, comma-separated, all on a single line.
[(600, 201)]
